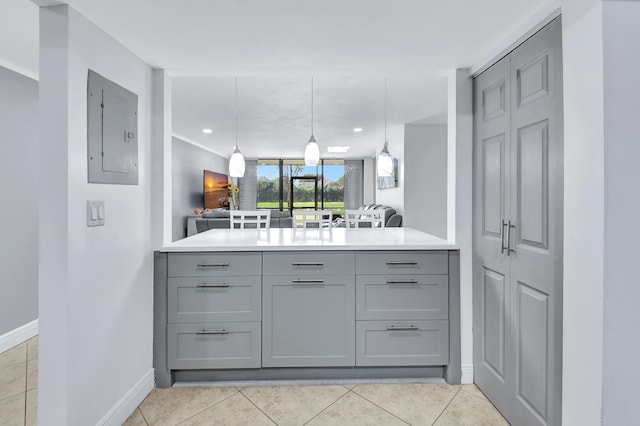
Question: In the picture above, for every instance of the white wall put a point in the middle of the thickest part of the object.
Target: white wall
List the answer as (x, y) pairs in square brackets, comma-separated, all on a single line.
[(621, 352), (188, 163), (425, 174), (459, 201), (394, 197), (583, 212), (95, 283), (20, 193)]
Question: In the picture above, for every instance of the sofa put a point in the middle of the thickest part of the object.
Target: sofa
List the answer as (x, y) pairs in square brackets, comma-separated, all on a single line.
[(219, 219), (391, 218)]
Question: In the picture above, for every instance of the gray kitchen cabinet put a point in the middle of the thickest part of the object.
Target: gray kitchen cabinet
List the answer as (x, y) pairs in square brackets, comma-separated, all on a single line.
[(401, 343), (214, 345), (308, 321), (213, 308)]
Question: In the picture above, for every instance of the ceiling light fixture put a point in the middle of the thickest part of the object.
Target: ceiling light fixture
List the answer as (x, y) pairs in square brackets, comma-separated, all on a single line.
[(312, 150), (385, 162), (357, 129), (207, 131), (236, 162)]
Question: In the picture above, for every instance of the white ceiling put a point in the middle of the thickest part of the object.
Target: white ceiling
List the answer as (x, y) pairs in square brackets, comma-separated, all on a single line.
[(275, 46)]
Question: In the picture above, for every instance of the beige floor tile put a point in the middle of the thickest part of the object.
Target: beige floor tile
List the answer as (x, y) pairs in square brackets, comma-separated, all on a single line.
[(417, 404), (473, 390), (32, 408), (173, 405), (14, 355), (293, 405), (354, 410), (234, 411), (32, 374), (33, 346), (12, 410), (13, 379), (135, 419), (469, 410)]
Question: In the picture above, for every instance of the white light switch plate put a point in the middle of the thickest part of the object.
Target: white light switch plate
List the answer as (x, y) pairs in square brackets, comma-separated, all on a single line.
[(95, 213)]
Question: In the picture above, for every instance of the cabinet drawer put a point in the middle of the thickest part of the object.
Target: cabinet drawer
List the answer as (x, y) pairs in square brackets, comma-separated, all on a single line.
[(214, 264), (381, 297), (308, 322), (309, 263), (214, 299), (395, 343), (402, 262), (213, 345)]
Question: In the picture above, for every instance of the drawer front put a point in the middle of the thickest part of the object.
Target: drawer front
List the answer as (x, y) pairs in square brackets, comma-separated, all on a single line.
[(214, 299), (213, 345), (308, 322), (395, 343), (309, 263), (402, 262), (381, 297), (214, 264)]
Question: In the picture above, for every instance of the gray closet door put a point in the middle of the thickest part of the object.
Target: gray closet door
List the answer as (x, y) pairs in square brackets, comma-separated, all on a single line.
[(518, 312)]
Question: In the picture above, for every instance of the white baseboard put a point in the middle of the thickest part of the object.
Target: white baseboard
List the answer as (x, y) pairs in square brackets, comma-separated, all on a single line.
[(467, 374), (120, 412), (19, 335)]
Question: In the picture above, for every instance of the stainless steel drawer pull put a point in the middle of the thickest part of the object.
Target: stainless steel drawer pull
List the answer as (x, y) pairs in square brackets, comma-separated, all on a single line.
[(398, 262), (402, 281), (403, 328), (213, 265), (307, 263), (223, 331), (218, 285), (312, 281)]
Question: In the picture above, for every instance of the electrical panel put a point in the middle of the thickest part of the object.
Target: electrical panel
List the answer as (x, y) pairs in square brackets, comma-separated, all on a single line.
[(112, 132)]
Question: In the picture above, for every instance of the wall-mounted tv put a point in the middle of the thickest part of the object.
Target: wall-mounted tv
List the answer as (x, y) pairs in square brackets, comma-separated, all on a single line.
[(215, 190)]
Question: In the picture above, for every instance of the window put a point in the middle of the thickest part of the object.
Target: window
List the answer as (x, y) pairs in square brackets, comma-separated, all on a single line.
[(289, 184)]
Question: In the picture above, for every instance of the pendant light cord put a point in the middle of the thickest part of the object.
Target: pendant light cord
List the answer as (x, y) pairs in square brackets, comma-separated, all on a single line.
[(236, 112), (311, 105), (385, 110)]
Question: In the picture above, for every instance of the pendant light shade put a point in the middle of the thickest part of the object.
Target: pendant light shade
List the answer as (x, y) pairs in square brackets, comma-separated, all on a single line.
[(312, 150), (236, 162), (385, 162)]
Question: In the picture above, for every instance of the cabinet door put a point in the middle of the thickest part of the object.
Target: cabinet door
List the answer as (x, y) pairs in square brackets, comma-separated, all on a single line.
[(398, 297), (395, 343), (308, 321), (213, 345)]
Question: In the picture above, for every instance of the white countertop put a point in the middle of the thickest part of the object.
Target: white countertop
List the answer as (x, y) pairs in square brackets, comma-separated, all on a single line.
[(278, 239)]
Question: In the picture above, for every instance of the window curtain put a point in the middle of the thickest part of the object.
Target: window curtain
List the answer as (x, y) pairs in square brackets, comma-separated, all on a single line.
[(248, 185), (353, 181)]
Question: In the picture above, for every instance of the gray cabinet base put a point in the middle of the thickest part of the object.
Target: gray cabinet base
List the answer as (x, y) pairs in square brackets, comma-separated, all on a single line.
[(334, 373)]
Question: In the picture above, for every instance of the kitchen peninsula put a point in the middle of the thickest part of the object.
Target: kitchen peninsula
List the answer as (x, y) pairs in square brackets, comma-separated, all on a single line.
[(289, 303)]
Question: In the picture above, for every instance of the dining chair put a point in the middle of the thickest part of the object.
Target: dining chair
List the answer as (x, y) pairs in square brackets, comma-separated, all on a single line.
[(249, 219), (364, 218), (312, 218)]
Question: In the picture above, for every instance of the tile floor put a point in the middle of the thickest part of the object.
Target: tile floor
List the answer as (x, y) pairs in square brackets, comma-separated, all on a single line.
[(284, 405), (19, 384)]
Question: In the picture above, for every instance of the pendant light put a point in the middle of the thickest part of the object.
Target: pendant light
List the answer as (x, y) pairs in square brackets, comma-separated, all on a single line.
[(312, 150), (236, 162), (385, 162)]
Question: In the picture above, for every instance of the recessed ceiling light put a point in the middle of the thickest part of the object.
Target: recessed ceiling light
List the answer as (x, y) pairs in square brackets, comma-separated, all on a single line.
[(357, 129), (342, 149), (207, 131)]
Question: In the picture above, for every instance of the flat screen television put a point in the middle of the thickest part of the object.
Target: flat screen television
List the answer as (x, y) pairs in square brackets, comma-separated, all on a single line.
[(215, 190)]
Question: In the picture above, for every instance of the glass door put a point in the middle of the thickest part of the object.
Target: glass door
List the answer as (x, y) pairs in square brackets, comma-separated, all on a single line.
[(303, 192)]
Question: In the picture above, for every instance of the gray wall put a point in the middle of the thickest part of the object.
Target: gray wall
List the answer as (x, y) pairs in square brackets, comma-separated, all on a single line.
[(248, 185), (425, 174), (18, 215), (188, 163), (353, 183)]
